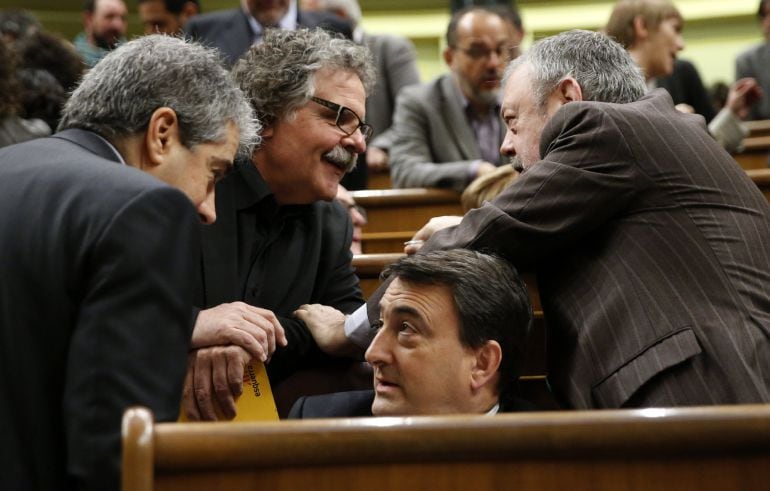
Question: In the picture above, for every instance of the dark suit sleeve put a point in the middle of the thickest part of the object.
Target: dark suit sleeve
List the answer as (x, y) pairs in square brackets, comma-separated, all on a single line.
[(585, 177), (132, 332)]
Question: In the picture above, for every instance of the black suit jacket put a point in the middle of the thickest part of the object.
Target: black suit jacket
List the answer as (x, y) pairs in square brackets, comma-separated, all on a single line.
[(685, 86), (650, 246), (95, 299), (229, 30), (358, 403), (277, 258)]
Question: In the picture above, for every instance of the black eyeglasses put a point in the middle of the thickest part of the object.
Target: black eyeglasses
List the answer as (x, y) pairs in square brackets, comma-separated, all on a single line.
[(346, 120), (477, 52)]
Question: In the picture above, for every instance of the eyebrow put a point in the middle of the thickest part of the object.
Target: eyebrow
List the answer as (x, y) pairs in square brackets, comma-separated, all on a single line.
[(217, 162), (411, 312)]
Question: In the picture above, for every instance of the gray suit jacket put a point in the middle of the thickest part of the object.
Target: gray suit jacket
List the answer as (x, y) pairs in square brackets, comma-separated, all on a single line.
[(651, 250), (396, 68), (755, 62), (434, 146), (98, 262), (229, 30)]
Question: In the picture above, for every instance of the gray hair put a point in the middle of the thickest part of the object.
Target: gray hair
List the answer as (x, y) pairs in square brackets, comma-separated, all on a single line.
[(117, 97), (491, 299), (602, 68), (278, 74)]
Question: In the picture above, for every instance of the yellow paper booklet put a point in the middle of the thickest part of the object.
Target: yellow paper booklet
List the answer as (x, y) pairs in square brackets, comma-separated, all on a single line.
[(256, 403)]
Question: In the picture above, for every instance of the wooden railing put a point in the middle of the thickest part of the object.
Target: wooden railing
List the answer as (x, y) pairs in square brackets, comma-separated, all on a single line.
[(700, 448), (396, 214)]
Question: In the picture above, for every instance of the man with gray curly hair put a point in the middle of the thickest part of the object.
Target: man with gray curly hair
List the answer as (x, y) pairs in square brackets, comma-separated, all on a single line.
[(99, 254), (281, 242)]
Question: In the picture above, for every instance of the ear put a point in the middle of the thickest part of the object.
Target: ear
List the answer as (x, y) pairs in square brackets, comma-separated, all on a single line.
[(161, 136), (569, 90), (487, 361), (641, 32), (449, 54)]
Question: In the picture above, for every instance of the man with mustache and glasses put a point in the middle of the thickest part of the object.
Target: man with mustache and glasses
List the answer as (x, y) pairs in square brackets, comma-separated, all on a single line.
[(280, 240), (448, 132)]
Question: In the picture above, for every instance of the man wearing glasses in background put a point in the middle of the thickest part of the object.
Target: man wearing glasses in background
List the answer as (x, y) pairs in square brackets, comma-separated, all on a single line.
[(448, 131), (280, 240)]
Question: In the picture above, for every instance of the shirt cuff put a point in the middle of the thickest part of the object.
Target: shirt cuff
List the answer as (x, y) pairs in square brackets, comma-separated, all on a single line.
[(357, 328), (473, 169)]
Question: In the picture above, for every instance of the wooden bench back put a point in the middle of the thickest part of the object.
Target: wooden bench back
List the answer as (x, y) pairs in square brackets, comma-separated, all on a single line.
[(700, 448)]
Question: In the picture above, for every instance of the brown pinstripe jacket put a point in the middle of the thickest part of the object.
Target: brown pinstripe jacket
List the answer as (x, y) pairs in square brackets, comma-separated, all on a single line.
[(652, 252)]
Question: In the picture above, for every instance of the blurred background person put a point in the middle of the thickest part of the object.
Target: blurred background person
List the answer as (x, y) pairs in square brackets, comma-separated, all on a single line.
[(166, 16), (49, 68), (14, 129), (16, 24), (651, 32), (755, 63), (104, 26), (448, 131), (233, 31)]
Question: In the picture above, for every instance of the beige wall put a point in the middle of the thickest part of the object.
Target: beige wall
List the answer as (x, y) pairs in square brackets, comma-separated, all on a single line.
[(716, 30)]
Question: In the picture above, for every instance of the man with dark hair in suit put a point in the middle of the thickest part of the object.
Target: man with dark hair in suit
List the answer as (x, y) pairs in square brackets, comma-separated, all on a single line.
[(648, 240), (448, 132), (755, 63), (166, 16), (451, 337), (98, 247), (233, 31)]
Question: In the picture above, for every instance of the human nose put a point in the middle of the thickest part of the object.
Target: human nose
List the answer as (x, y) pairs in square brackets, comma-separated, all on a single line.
[(679, 42), (507, 148), (355, 142), (378, 351), (207, 209), (494, 59)]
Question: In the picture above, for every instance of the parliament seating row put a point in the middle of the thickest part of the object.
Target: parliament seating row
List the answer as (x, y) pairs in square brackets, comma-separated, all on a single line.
[(756, 154), (396, 214), (699, 448)]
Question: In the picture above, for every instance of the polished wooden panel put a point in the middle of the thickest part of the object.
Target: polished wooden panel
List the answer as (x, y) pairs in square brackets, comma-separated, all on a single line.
[(394, 210), (703, 448), (755, 154), (379, 180), (758, 128), (384, 242)]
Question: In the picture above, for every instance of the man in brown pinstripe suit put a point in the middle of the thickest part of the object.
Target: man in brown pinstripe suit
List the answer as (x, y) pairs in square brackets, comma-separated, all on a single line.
[(651, 246)]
